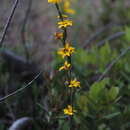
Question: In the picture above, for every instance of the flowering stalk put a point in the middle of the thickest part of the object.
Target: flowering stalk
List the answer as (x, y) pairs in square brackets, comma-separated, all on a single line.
[(68, 57), (66, 53)]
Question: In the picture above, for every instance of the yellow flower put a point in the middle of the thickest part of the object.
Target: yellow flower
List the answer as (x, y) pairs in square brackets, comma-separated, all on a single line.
[(67, 8), (74, 83), (54, 1), (64, 24), (69, 110), (58, 35), (66, 66), (66, 51)]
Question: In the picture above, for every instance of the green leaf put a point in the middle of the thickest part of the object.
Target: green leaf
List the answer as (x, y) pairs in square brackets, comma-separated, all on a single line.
[(97, 88), (127, 36), (113, 93), (80, 56), (110, 116), (105, 56)]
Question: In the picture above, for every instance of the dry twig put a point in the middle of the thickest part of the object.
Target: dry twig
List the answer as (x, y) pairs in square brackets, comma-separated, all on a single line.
[(21, 89), (8, 22)]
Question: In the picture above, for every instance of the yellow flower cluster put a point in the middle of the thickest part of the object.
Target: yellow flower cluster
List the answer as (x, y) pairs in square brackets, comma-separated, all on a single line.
[(74, 83), (58, 35), (54, 1), (67, 8), (64, 23), (66, 5), (69, 110), (66, 66), (66, 51)]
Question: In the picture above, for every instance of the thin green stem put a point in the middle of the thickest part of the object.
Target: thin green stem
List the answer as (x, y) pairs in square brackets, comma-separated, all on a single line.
[(59, 12), (64, 36), (62, 19)]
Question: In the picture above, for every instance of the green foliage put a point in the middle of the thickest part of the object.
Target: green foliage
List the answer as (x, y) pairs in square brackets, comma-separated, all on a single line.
[(64, 125), (99, 103), (105, 103)]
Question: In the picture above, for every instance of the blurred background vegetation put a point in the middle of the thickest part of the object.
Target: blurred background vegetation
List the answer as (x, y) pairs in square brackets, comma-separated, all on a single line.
[(101, 35)]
